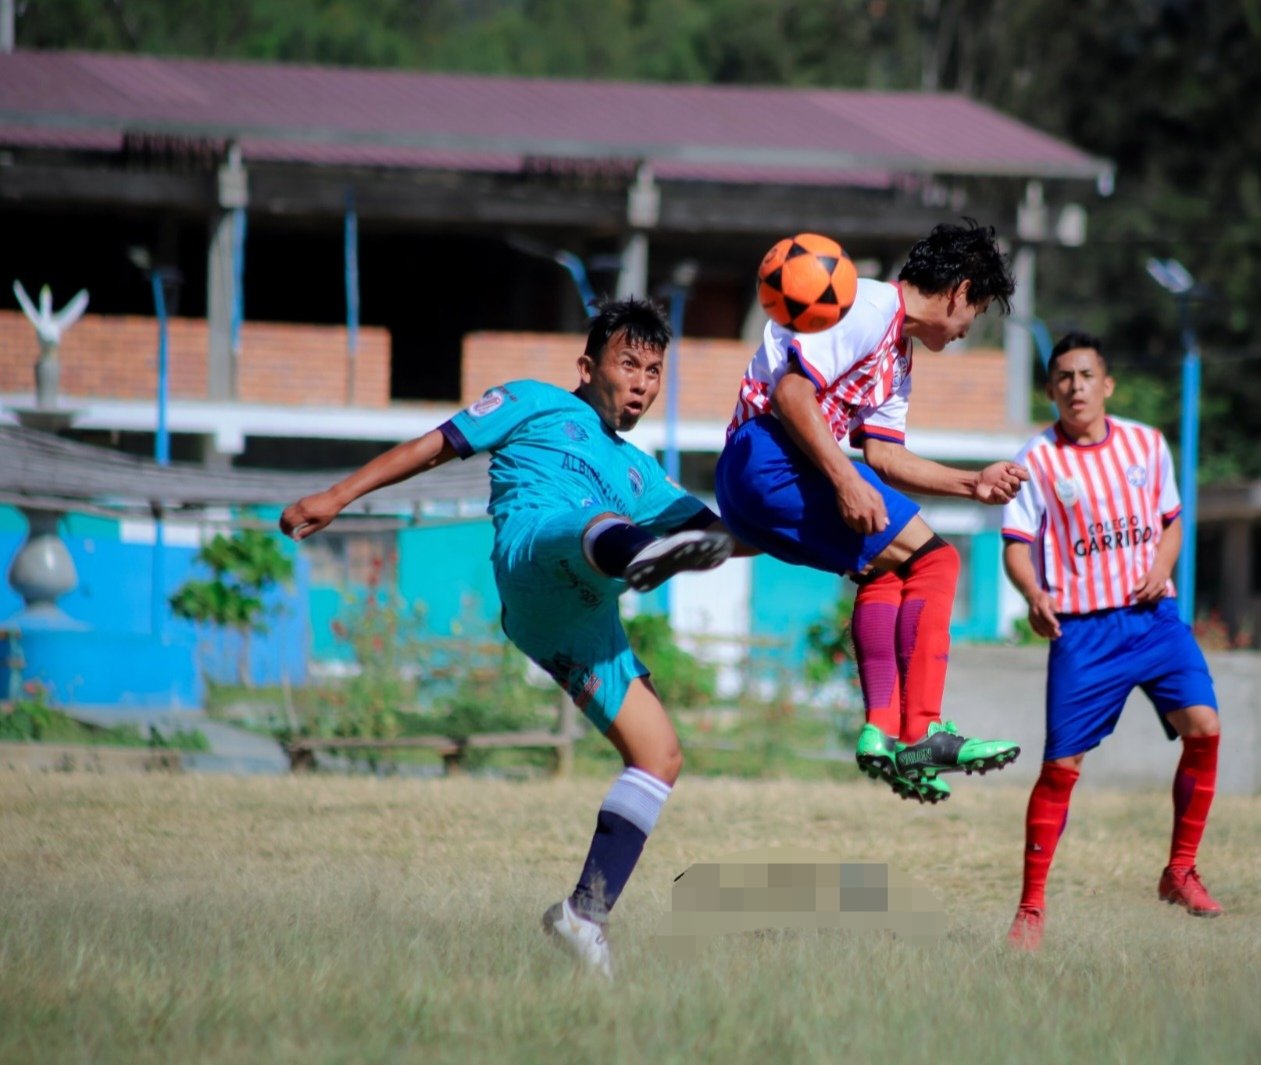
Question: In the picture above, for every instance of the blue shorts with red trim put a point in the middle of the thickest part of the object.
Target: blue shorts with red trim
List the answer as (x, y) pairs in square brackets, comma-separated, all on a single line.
[(1099, 658), (773, 497)]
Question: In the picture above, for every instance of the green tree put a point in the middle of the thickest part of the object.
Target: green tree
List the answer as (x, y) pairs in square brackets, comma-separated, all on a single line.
[(244, 567)]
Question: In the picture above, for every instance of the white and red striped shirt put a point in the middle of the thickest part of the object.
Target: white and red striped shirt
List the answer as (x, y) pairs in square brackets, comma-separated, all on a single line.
[(1094, 513), (861, 367)]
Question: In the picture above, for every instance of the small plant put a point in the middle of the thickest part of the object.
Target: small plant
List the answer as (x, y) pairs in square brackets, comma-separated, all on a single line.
[(30, 716), (830, 643), (681, 679), (244, 567)]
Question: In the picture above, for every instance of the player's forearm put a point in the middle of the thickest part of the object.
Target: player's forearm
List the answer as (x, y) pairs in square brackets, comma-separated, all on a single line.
[(1169, 547), (908, 472), (1018, 564), (793, 401), (399, 463)]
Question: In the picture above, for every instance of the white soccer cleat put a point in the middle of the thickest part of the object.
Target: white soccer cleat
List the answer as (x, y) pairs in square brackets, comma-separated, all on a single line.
[(583, 937), (694, 549)]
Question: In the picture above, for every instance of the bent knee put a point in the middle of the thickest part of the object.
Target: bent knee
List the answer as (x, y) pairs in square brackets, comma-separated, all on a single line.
[(1200, 721), (665, 764)]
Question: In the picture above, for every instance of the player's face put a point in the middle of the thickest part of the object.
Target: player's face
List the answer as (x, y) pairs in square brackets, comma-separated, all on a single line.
[(954, 318), (1080, 387), (622, 383)]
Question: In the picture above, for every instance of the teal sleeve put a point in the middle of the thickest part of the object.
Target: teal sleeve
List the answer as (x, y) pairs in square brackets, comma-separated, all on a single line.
[(488, 422)]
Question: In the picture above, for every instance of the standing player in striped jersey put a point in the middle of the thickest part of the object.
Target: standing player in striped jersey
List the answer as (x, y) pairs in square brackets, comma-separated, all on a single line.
[(1091, 542), (785, 485)]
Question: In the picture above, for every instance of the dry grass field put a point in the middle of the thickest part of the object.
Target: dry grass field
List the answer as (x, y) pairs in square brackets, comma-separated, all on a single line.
[(191, 918)]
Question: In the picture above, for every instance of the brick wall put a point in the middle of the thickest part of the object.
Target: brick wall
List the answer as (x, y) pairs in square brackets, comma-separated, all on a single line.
[(115, 357), (965, 391)]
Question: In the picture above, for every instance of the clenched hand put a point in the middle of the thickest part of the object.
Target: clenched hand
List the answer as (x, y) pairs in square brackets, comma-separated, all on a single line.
[(999, 483)]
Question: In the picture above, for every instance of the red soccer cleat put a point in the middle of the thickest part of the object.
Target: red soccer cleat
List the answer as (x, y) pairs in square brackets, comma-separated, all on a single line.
[(1182, 886), (1026, 929)]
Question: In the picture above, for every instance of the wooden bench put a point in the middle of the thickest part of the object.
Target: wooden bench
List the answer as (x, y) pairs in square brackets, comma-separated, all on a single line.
[(302, 752)]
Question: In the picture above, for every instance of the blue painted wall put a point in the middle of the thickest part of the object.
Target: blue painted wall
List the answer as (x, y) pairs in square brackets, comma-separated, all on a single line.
[(787, 599), (444, 568), (114, 597)]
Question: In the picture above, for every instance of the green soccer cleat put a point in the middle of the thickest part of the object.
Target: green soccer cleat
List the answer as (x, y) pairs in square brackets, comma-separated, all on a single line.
[(928, 788), (876, 755), (943, 750)]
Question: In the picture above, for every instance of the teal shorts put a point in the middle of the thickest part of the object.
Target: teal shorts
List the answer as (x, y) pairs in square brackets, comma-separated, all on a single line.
[(564, 615)]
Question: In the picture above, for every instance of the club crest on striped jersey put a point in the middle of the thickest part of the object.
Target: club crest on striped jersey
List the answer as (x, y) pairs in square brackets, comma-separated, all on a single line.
[(1067, 492), (901, 368), (1136, 475), (636, 481), (491, 401)]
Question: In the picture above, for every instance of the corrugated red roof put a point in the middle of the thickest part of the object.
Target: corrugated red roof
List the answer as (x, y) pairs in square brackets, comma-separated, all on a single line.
[(396, 118)]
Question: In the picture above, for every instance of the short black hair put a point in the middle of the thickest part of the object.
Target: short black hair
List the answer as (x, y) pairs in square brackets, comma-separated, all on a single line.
[(952, 254), (1073, 341), (644, 323)]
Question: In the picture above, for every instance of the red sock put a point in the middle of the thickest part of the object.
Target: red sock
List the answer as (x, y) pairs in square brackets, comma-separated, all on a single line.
[(1194, 785), (923, 634), (873, 628), (1044, 824)]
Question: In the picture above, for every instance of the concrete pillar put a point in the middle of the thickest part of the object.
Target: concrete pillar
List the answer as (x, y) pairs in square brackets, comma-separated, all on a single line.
[(1018, 339), (643, 209), (221, 294), (632, 278), (1031, 227)]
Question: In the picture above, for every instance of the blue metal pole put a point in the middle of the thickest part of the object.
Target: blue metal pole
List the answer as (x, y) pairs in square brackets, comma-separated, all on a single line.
[(1190, 463), (162, 440), (162, 453), (578, 272), (352, 273)]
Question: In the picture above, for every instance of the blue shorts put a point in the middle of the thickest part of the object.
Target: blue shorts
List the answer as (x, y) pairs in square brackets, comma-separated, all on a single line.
[(564, 615), (1100, 658), (773, 497)]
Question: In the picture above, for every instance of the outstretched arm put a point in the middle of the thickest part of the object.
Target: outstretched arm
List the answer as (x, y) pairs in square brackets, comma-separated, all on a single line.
[(996, 484), (312, 513)]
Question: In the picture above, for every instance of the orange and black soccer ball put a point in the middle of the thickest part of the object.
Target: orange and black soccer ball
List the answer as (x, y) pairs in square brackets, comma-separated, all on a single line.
[(806, 283)]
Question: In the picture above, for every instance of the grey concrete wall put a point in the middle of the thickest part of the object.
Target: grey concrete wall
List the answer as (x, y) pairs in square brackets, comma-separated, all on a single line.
[(999, 692)]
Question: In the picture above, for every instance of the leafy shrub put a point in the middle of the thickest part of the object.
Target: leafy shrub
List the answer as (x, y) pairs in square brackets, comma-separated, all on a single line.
[(243, 568), (681, 679)]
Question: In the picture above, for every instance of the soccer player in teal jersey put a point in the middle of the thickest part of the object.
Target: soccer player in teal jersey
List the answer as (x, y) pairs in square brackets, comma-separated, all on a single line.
[(580, 515)]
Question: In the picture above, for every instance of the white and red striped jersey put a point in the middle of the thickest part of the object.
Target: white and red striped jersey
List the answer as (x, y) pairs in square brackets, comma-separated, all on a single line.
[(861, 367), (1094, 513)]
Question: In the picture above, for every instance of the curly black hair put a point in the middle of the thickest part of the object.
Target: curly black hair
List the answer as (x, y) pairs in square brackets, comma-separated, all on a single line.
[(953, 254), (644, 323)]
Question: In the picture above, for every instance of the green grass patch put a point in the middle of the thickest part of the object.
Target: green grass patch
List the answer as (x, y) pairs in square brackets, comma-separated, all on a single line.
[(32, 720), (325, 919)]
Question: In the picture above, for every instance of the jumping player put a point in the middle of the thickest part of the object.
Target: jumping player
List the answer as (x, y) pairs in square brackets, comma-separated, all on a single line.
[(580, 515), (1091, 543), (785, 485)]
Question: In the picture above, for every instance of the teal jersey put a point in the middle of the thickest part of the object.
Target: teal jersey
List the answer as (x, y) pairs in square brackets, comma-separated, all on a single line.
[(550, 451)]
